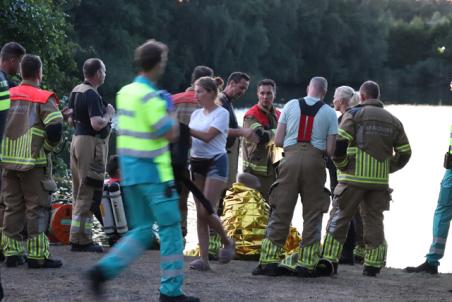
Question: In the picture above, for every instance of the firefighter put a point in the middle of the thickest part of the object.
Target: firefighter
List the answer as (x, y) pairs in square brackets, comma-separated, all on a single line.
[(145, 129), (263, 118), (307, 130), (91, 118), (33, 129), (371, 144)]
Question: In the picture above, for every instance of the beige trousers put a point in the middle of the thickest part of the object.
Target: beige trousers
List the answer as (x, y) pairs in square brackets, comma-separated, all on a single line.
[(88, 160), (301, 172), (371, 204), (27, 200)]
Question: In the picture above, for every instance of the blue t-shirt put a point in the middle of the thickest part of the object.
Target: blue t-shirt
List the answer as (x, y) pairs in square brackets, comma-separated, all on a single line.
[(325, 123), (135, 170)]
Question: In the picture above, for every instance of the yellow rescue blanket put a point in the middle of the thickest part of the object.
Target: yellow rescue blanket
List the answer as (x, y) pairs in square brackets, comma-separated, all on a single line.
[(245, 218)]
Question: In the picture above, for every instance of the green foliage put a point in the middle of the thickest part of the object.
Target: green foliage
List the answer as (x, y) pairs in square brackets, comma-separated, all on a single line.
[(42, 28)]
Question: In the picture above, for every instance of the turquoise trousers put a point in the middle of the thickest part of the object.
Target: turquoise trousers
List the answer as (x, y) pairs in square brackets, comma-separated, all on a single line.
[(144, 205), (441, 220)]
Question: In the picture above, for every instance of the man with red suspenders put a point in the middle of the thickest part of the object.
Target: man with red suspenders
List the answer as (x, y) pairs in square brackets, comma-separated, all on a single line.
[(307, 130)]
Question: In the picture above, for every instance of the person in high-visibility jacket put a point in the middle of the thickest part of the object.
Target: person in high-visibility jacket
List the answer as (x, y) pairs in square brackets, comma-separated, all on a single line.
[(263, 118), (10, 56), (145, 128), (371, 144), (441, 219), (33, 129)]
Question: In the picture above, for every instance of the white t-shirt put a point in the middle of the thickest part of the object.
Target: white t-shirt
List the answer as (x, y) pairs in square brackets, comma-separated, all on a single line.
[(325, 123), (218, 119)]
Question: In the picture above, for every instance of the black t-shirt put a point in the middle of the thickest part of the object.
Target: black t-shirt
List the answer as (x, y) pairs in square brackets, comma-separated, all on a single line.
[(233, 124), (86, 103)]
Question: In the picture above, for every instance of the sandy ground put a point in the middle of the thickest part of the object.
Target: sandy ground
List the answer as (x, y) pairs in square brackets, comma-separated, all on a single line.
[(231, 282)]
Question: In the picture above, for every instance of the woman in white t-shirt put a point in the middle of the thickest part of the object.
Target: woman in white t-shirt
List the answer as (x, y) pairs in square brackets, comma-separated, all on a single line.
[(209, 166)]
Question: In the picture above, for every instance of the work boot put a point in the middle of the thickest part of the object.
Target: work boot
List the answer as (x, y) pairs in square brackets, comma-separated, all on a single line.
[(181, 298), (16, 260), (97, 279), (90, 247), (423, 268), (271, 269), (303, 272), (371, 271), (44, 263), (325, 268)]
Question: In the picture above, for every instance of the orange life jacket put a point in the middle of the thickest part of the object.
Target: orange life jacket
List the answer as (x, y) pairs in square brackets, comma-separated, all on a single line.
[(28, 93)]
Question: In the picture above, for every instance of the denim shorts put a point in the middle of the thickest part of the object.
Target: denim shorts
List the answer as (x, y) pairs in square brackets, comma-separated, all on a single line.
[(219, 167)]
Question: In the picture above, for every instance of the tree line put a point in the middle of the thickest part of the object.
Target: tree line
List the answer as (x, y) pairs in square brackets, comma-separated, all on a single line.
[(400, 42)]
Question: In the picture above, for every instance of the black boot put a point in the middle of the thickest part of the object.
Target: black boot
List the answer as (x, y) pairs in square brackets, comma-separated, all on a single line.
[(325, 268), (181, 298), (371, 271), (303, 272), (44, 263), (271, 269), (90, 247), (423, 268), (14, 261), (97, 279)]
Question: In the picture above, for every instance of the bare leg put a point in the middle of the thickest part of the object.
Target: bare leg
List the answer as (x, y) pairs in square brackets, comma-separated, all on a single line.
[(212, 190)]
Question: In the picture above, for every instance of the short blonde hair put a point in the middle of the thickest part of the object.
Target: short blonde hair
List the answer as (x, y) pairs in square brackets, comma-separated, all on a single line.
[(348, 94)]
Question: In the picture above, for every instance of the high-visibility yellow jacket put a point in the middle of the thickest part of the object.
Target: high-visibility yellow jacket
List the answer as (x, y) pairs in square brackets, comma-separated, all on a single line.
[(25, 144), (371, 144)]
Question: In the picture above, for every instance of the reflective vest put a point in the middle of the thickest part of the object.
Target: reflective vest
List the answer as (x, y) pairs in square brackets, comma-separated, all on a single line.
[(4, 93), (141, 111), (24, 142)]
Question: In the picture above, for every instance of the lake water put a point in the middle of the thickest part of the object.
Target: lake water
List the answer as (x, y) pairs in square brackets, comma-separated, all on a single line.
[(390, 94), (408, 225)]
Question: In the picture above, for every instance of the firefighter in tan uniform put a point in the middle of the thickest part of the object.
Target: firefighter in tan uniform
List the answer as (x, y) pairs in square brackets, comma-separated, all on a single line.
[(33, 129), (263, 119), (307, 130), (91, 117), (371, 144)]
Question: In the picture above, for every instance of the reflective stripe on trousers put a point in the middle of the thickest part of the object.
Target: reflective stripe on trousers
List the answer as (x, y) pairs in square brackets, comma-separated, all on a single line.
[(441, 220)]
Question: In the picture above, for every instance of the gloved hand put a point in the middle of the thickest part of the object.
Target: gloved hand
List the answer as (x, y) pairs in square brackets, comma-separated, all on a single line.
[(264, 137), (166, 96)]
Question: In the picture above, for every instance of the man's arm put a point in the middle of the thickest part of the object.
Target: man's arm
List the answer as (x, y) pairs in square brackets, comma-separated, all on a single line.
[(99, 122), (53, 122), (330, 144), (346, 133), (265, 136), (402, 153), (280, 134)]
